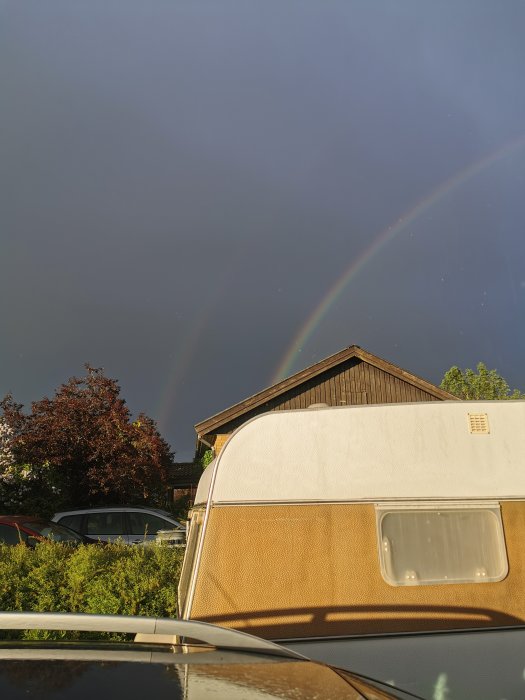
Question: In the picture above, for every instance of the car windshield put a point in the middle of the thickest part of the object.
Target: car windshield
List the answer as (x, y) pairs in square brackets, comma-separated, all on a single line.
[(52, 531), (165, 514)]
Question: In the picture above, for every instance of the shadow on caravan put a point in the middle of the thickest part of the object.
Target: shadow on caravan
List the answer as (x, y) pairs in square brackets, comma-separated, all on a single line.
[(355, 522)]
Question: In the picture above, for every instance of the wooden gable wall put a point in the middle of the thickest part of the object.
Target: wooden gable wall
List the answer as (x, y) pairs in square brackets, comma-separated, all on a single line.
[(348, 383)]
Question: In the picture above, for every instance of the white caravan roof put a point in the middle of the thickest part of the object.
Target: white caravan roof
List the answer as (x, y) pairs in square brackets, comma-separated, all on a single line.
[(435, 450)]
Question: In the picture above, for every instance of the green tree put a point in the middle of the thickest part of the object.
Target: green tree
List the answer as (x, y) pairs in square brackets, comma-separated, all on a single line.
[(83, 444), (206, 459), (483, 384)]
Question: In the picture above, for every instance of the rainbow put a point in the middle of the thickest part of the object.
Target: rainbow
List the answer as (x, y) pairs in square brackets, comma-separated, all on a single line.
[(386, 236), (184, 351), (180, 365)]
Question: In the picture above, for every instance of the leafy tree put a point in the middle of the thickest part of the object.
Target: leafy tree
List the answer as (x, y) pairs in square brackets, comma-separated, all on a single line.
[(6, 452), (485, 384), (83, 444), (22, 487), (206, 459)]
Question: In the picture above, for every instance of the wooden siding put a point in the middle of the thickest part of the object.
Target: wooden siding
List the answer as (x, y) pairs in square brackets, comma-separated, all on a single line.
[(349, 383), (363, 387)]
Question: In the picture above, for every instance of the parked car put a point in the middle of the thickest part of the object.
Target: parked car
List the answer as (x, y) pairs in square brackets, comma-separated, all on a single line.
[(230, 664), (132, 524), (26, 529)]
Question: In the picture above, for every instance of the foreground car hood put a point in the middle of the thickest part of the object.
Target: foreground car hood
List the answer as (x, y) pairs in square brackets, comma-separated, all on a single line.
[(67, 672), (161, 663)]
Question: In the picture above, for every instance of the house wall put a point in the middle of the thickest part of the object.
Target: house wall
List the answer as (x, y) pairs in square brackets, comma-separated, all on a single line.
[(352, 382)]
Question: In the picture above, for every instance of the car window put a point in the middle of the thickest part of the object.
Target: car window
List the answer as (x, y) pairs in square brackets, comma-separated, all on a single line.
[(147, 524), (72, 521), (161, 512), (109, 523), (12, 535), (54, 532)]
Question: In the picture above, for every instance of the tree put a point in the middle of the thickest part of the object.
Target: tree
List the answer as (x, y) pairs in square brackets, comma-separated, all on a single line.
[(486, 384), (23, 487), (206, 459), (84, 441), (6, 452)]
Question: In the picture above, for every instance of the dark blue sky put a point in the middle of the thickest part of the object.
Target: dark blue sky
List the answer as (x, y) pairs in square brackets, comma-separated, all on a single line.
[(196, 195)]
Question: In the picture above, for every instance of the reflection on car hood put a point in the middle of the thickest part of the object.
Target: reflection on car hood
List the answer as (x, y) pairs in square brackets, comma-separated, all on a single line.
[(67, 672), (157, 665)]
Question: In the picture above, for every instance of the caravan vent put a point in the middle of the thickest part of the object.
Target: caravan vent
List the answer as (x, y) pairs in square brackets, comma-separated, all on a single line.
[(478, 423)]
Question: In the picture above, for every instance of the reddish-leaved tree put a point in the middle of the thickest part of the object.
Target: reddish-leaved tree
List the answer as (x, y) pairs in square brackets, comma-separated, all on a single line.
[(85, 435)]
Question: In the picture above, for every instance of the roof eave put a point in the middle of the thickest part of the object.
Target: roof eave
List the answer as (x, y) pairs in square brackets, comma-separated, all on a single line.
[(210, 424)]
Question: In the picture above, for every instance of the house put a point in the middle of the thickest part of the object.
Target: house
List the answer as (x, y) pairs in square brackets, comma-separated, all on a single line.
[(182, 479), (351, 376)]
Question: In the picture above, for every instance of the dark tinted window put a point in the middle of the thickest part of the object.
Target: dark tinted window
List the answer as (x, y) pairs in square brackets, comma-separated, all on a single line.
[(11, 535), (147, 524), (53, 531), (72, 521), (111, 523)]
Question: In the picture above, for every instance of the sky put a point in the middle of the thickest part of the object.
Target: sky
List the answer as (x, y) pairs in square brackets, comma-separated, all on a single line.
[(205, 196)]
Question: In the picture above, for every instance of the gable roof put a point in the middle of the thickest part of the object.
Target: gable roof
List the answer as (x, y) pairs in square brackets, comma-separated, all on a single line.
[(181, 474), (353, 351)]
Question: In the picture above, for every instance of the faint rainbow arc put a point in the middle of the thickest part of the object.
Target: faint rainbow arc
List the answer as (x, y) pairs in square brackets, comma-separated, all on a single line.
[(185, 352), (285, 366), (182, 360)]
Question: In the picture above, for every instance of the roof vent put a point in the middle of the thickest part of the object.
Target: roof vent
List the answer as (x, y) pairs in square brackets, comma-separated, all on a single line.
[(318, 405), (478, 423)]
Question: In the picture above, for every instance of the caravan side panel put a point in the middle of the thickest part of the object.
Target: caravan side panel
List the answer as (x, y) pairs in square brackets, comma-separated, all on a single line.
[(289, 571)]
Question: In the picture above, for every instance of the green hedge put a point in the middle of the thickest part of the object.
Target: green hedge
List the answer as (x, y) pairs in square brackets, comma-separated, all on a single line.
[(116, 579)]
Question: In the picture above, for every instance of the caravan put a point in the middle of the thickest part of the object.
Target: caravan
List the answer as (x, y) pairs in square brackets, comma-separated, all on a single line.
[(331, 528)]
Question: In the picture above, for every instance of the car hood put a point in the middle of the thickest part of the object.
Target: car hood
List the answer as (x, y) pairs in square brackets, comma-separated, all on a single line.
[(161, 662)]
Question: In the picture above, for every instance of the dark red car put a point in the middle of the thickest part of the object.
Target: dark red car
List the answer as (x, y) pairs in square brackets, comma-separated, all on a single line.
[(27, 529)]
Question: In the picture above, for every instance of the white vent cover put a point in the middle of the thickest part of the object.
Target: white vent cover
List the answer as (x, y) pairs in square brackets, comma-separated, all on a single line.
[(478, 423)]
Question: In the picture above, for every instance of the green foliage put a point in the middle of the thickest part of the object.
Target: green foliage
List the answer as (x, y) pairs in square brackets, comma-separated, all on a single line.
[(485, 384), (206, 458), (6, 437), (46, 578), (116, 579), (15, 565), (123, 580), (30, 489)]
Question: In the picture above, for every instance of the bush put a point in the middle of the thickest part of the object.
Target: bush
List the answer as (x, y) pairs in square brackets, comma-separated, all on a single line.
[(116, 579)]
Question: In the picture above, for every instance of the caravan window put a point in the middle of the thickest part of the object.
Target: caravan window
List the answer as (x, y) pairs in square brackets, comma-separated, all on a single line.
[(441, 544)]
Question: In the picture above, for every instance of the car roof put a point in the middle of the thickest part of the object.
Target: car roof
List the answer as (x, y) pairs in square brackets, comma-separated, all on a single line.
[(88, 509), (113, 509), (22, 519)]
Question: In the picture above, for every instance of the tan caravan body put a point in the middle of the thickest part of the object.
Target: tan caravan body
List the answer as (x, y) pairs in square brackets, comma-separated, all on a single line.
[(362, 520)]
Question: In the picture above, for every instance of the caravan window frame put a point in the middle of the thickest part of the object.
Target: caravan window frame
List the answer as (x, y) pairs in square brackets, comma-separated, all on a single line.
[(441, 543)]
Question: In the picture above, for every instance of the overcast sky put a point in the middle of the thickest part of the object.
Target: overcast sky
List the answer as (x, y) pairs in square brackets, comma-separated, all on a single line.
[(203, 196)]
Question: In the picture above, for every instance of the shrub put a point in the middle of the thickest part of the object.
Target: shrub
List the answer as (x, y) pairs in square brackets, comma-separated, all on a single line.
[(116, 579)]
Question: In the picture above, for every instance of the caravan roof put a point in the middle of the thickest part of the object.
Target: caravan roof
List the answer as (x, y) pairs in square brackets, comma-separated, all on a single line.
[(440, 449)]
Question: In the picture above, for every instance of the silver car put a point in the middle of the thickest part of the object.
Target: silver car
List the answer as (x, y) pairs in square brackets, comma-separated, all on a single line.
[(131, 524)]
